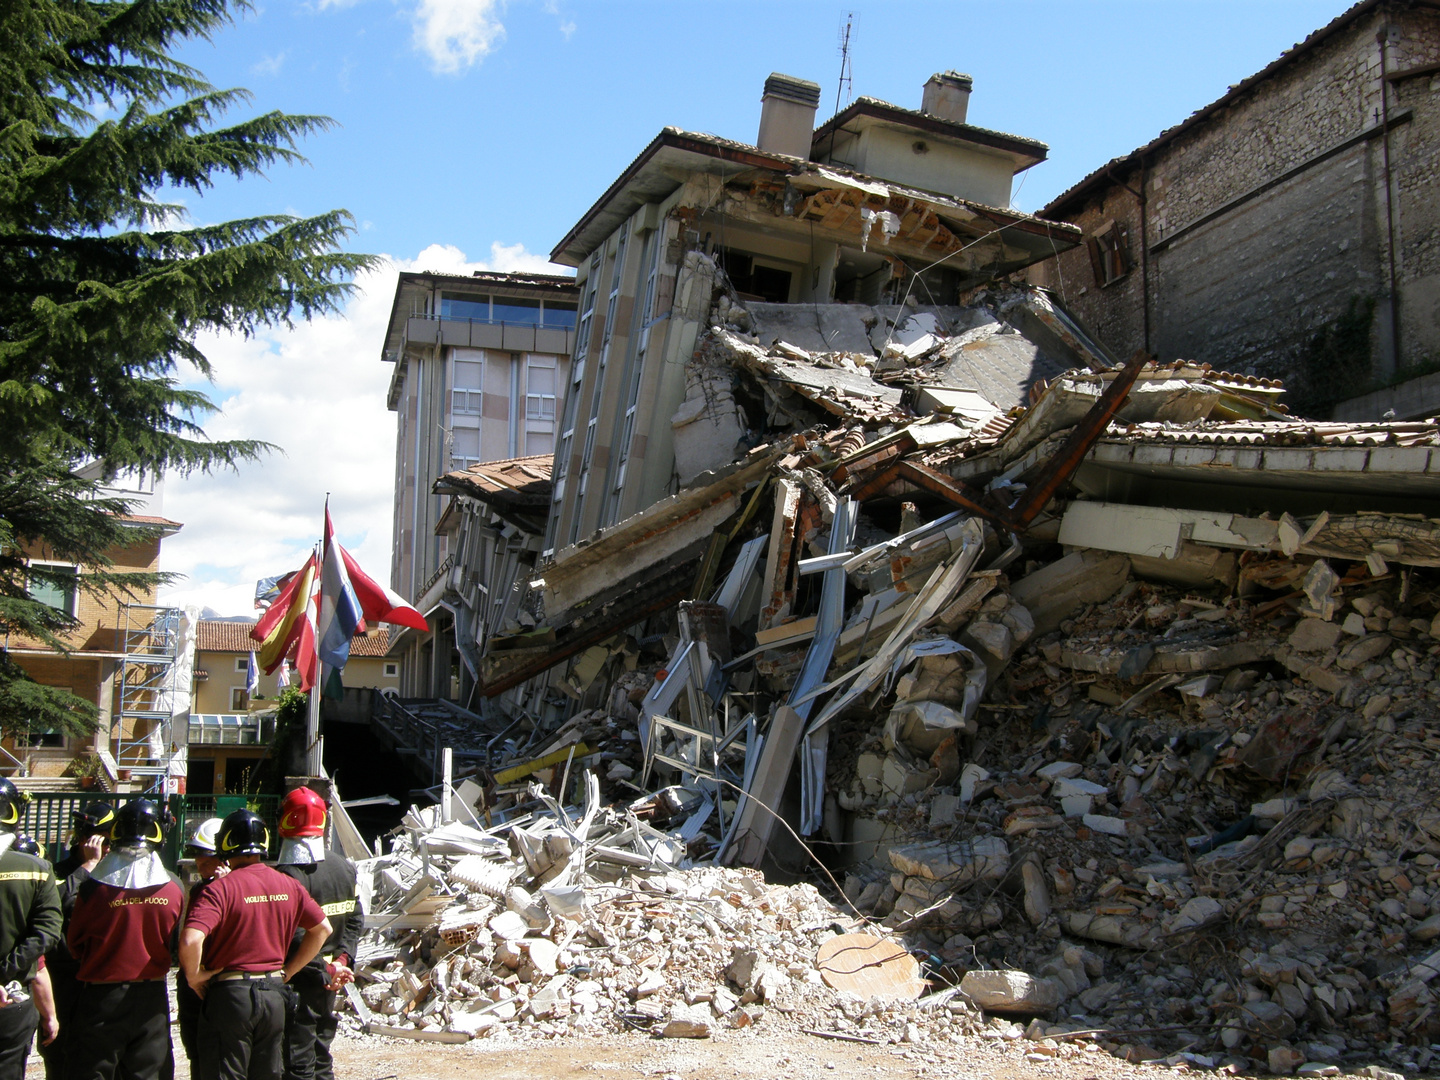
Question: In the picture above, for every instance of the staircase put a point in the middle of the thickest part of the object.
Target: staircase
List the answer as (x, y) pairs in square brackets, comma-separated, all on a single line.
[(50, 785)]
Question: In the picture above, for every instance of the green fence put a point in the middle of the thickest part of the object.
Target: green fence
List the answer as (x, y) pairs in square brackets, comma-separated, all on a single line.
[(47, 818)]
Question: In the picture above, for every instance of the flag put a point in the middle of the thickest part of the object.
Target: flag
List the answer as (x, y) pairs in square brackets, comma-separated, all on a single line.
[(340, 614), (279, 609), (307, 660), (252, 675), (280, 627), (283, 679), (377, 603)]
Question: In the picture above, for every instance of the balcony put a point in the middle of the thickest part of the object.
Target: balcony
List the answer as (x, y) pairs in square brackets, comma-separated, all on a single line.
[(489, 334)]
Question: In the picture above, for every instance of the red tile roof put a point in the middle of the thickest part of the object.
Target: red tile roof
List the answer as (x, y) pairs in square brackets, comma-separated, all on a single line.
[(217, 635)]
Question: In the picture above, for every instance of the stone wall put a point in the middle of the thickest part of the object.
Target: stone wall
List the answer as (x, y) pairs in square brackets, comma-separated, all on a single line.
[(1267, 227)]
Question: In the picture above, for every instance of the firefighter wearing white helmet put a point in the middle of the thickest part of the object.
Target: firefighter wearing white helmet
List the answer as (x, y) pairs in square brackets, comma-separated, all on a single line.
[(208, 866)]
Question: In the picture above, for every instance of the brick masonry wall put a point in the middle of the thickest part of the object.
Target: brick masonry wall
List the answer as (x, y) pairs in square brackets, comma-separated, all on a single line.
[(1290, 284)]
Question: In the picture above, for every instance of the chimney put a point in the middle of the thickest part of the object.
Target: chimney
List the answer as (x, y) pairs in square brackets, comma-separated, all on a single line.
[(787, 115), (947, 96)]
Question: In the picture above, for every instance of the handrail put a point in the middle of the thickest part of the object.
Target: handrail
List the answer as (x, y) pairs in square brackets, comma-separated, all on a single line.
[(444, 568), (22, 766), (432, 317)]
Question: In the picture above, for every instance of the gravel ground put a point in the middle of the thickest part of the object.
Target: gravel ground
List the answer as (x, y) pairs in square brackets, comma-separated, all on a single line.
[(727, 1056)]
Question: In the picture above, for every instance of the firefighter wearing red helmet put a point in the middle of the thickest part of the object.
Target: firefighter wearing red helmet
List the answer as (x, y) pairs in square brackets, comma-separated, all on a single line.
[(330, 878)]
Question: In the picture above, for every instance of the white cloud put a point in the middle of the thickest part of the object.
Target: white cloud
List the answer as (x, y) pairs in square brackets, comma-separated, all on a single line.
[(317, 391), (457, 34), (568, 28), (270, 65)]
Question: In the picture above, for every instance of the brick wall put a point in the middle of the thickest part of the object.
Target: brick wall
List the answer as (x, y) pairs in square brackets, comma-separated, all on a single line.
[(98, 615), (1289, 279)]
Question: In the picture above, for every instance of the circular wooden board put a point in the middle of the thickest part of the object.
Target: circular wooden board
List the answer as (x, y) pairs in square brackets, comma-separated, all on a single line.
[(869, 967)]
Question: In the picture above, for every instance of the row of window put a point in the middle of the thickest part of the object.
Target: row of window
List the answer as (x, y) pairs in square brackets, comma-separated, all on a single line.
[(632, 375), (550, 314)]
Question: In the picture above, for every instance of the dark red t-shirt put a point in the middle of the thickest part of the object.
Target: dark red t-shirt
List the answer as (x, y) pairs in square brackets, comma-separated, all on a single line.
[(122, 935), (249, 916)]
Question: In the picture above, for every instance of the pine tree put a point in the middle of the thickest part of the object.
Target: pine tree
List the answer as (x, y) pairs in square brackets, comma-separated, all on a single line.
[(102, 295)]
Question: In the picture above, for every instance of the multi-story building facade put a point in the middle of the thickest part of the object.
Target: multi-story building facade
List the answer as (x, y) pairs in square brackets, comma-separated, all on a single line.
[(480, 366), (875, 203), (1286, 230), (95, 664)]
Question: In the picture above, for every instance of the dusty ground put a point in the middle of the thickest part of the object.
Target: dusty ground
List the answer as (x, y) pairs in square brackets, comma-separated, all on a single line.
[(728, 1056)]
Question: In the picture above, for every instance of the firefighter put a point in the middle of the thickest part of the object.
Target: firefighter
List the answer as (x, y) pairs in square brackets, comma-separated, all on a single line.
[(41, 989), (122, 934), (329, 878), (29, 924), (208, 866), (90, 833), (241, 928)]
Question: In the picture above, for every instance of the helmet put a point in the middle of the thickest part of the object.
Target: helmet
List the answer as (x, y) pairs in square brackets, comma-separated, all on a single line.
[(203, 840), (243, 833), (302, 814), (12, 805), (28, 846), (97, 817), (140, 821)]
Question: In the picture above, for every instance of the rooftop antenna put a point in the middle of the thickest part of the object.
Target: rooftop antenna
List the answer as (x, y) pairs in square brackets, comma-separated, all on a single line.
[(845, 82)]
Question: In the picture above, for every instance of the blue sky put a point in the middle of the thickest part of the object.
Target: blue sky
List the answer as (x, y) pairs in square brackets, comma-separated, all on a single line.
[(474, 133)]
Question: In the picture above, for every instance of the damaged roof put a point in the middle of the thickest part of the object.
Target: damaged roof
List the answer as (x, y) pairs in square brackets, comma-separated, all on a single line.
[(660, 169), (516, 489)]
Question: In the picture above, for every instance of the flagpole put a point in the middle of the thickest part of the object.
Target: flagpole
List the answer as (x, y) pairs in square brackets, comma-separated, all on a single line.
[(314, 751)]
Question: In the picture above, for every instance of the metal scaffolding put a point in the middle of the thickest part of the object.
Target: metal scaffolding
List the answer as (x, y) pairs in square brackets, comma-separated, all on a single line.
[(140, 730)]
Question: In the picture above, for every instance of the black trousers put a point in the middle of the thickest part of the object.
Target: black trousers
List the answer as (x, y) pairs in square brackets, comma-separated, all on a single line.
[(66, 990), (187, 1005), (242, 1030), (17, 1030), (310, 1028), (122, 1030)]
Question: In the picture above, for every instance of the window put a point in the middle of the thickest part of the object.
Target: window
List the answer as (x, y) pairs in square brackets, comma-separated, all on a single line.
[(597, 390), (466, 380), (542, 378), (392, 671), (464, 447), (239, 699), (540, 389), (572, 395), (53, 584), (650, 261), (512, 309), (559, 314), (1110, 258), (242, 664), (35, 739), (464, 306)]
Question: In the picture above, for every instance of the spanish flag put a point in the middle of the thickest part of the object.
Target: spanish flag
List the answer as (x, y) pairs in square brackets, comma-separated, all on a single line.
[(281, 625)]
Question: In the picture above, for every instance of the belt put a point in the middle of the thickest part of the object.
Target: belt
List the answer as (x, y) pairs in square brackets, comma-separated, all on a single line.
[(227, 976)]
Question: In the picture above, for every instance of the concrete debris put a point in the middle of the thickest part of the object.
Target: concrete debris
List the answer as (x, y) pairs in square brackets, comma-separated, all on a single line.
[(1131, 768)]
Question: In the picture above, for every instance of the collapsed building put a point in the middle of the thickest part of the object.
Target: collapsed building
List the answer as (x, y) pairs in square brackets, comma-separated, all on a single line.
[(1107, 687)]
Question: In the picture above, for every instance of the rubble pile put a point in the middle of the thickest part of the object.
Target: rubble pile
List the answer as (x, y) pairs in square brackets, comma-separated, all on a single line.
[(553, 925), (1111, 696), (1239, 862)]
